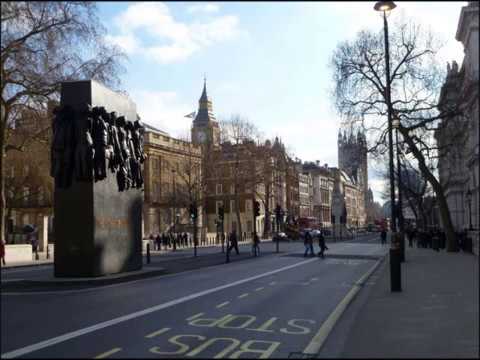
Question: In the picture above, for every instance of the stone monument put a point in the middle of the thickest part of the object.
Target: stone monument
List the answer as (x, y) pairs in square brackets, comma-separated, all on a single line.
[(97, 202)]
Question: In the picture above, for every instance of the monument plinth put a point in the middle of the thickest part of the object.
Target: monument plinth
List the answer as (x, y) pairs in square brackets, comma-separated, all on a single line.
[(97, 227)]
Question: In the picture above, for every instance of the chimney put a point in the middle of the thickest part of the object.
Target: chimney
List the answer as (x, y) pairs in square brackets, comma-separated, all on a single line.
[(325, 165), (317, 162)]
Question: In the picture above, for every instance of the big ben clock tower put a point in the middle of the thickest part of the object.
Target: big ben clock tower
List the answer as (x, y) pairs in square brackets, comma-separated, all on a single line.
[(205, 130)]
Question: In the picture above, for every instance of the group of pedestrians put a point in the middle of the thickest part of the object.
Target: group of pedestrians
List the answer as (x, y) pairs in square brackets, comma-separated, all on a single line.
[(233, 243), (308, 242), (170, 240)]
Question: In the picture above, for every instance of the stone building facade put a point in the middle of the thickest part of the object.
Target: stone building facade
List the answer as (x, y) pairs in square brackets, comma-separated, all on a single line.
[(169, 160), (28, 185), (458, 137)]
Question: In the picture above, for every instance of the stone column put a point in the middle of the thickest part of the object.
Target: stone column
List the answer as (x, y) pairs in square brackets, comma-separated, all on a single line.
[(43, 233)]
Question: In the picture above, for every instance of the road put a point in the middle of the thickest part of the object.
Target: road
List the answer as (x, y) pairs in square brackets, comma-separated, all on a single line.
[(269, 306)]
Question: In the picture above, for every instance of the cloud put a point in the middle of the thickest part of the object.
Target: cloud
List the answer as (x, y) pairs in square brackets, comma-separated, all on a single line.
[(169, 40), (163, 110), (206, 8)]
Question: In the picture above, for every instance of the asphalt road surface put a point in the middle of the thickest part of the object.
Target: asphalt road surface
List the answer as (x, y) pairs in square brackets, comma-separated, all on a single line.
[(265, 307)]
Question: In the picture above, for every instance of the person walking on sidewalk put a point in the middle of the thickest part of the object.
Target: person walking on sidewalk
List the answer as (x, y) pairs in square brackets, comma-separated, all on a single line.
[(308, 242), (410, 237), (322, 245), (383, 236), (233, 242), (2, 252), (158, 242), (256, 245)]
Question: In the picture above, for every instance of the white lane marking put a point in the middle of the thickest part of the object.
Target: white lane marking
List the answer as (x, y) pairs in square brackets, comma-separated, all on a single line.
[(108, 353), (223, 304), (259, 289), (243, 295), (274, 282), (317, 341), (46, 343)]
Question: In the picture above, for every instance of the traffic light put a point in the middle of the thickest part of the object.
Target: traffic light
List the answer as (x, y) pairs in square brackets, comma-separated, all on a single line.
[(256, 208), (221, 212), (193, 211)]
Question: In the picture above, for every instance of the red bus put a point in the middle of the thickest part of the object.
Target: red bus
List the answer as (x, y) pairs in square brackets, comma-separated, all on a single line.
[(308, 223)]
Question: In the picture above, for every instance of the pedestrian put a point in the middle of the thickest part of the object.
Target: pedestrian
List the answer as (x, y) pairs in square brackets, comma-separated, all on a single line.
[(2, 252), (158, 242), (383, 236), (256, 245), (34, 242), (410, 237), (233, 242), (308, 242), (321, 244), (165, 241)]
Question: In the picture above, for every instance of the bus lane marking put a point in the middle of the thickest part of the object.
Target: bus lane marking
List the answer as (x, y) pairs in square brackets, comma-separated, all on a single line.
[(107, 353), (313, 348), (74, 334), (158, 332)]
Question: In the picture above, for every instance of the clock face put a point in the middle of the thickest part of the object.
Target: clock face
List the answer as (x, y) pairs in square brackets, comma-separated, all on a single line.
[(201, 136)]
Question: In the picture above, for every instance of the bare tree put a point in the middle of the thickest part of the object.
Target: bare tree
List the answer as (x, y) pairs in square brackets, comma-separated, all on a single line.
[(43, 44), (239, 138), (416, 78)]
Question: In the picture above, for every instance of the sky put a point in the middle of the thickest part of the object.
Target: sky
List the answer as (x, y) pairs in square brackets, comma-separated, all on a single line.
[(265, 61)]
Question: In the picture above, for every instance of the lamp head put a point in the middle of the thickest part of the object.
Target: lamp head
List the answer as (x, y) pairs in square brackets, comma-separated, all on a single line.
[(384, 6)]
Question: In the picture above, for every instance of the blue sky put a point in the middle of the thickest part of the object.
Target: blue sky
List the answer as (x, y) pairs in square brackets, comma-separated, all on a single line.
[(267, 61)]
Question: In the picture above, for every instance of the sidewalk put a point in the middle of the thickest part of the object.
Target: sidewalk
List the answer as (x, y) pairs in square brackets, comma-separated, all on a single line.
[(436, 315), (44, 261)]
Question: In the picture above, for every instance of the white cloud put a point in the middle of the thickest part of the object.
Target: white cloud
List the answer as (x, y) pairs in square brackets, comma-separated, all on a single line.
[(163, 110), (169, 40), (441, 17), (206, 8)]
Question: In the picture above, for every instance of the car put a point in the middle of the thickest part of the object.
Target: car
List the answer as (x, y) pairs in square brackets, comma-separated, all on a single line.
[(315, 232)]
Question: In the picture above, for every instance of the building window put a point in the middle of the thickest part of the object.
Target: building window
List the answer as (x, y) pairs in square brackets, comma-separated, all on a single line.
[(219, 189), (218, 204), (26, 194), (232, 206), (232, 189)]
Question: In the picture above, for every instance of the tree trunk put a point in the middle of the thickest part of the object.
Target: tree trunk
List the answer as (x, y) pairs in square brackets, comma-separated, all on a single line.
[(437, 188), (3, 202)]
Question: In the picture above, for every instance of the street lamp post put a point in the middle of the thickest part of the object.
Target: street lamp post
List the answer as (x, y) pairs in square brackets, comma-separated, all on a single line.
[(395, 255), (469, 201), (401, 222), (385, 6), (174, 210)]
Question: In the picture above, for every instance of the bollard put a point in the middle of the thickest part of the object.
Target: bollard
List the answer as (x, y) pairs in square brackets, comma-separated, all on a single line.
[(36, 255), (401, 236), (395, 265), (48, 252), (148, 253)]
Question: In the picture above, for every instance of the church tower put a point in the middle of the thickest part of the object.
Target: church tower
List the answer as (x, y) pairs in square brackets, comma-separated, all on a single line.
[(205, 130), (352, 157)]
